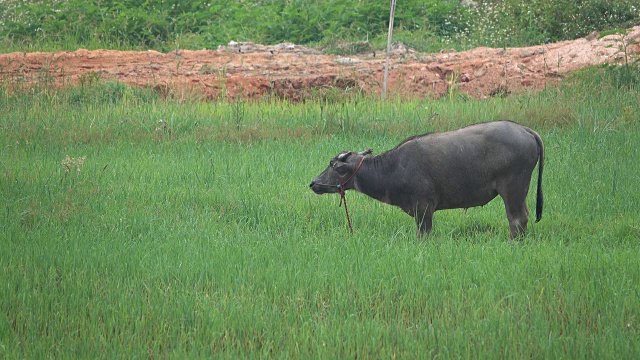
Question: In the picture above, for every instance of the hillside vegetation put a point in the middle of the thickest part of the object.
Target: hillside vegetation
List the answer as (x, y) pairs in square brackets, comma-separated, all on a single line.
[(425, 25)]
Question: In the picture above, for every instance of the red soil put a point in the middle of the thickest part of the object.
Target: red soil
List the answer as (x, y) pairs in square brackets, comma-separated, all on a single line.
[(292, 71)]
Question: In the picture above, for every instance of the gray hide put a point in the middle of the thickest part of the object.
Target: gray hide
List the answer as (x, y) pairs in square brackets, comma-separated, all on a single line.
[(457, 169)]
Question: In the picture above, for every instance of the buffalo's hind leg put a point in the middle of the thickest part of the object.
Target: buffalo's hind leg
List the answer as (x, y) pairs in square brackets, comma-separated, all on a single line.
[(515, 203)]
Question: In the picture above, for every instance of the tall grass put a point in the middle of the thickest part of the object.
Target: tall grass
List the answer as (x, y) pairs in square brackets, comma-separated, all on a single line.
[(188, 230)]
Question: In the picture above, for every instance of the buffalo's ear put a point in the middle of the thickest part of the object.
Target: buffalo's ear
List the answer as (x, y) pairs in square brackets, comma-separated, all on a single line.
[(343, 156), (366, 152)]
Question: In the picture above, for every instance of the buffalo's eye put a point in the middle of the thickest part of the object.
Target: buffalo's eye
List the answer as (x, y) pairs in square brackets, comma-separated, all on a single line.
[(340, 170)]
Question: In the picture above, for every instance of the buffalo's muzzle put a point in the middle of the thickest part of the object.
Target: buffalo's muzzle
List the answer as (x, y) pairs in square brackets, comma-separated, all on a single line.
[(317, 188)]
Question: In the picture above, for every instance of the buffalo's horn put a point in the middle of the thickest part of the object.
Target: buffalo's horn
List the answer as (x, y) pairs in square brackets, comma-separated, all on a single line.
[(343, 156), (366, 152)]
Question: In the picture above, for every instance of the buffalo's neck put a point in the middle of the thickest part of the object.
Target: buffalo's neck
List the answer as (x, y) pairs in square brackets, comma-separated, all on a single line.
[(376, 178)]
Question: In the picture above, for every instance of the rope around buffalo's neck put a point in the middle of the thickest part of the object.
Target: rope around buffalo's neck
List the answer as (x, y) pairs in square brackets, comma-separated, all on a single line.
[(343, 197)]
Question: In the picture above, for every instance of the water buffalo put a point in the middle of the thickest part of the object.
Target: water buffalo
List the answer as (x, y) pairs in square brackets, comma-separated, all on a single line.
[(446, 170)]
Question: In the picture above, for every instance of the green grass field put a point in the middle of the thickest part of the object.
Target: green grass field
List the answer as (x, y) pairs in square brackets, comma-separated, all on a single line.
[(133, 227)]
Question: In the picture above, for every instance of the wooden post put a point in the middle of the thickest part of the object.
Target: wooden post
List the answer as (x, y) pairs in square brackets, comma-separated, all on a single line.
[(386, 64)]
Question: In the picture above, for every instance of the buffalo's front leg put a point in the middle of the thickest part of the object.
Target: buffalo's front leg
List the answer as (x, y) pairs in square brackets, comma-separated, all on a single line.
[(424, 219)]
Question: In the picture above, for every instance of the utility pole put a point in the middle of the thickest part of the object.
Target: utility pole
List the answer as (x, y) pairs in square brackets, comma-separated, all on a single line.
[(386, 64)]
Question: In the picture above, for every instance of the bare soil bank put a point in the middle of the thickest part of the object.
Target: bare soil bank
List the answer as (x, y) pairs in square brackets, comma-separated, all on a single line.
[(293, 72)]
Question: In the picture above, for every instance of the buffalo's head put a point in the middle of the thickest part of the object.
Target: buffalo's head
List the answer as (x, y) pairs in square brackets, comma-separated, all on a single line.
[(339, 172)]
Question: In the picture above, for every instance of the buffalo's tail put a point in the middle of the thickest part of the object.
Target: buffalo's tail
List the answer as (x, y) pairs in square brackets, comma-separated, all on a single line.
[(539, 197)]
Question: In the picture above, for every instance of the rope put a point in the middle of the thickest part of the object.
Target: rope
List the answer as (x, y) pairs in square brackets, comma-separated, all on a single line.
[(341, 191), (343, 197)]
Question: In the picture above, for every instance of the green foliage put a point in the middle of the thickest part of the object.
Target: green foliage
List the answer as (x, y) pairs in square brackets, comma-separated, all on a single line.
[(519, 23), (624, 76), (626, 72), (92, 90), (427, 25)]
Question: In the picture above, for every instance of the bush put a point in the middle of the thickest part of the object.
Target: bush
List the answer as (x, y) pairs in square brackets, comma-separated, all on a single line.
[(518, 23), (427, 25)]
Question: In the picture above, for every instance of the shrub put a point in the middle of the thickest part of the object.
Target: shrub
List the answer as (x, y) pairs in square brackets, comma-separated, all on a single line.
[(165, 24)]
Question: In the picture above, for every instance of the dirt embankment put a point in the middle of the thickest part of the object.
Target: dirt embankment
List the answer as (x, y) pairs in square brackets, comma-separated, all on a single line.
[(292, 71)]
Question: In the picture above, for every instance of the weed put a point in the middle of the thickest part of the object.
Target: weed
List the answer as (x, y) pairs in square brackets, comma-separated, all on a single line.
[(89, 78), (452, 84), (222, 82), (69, 163), (626, 73), (238, 112)]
